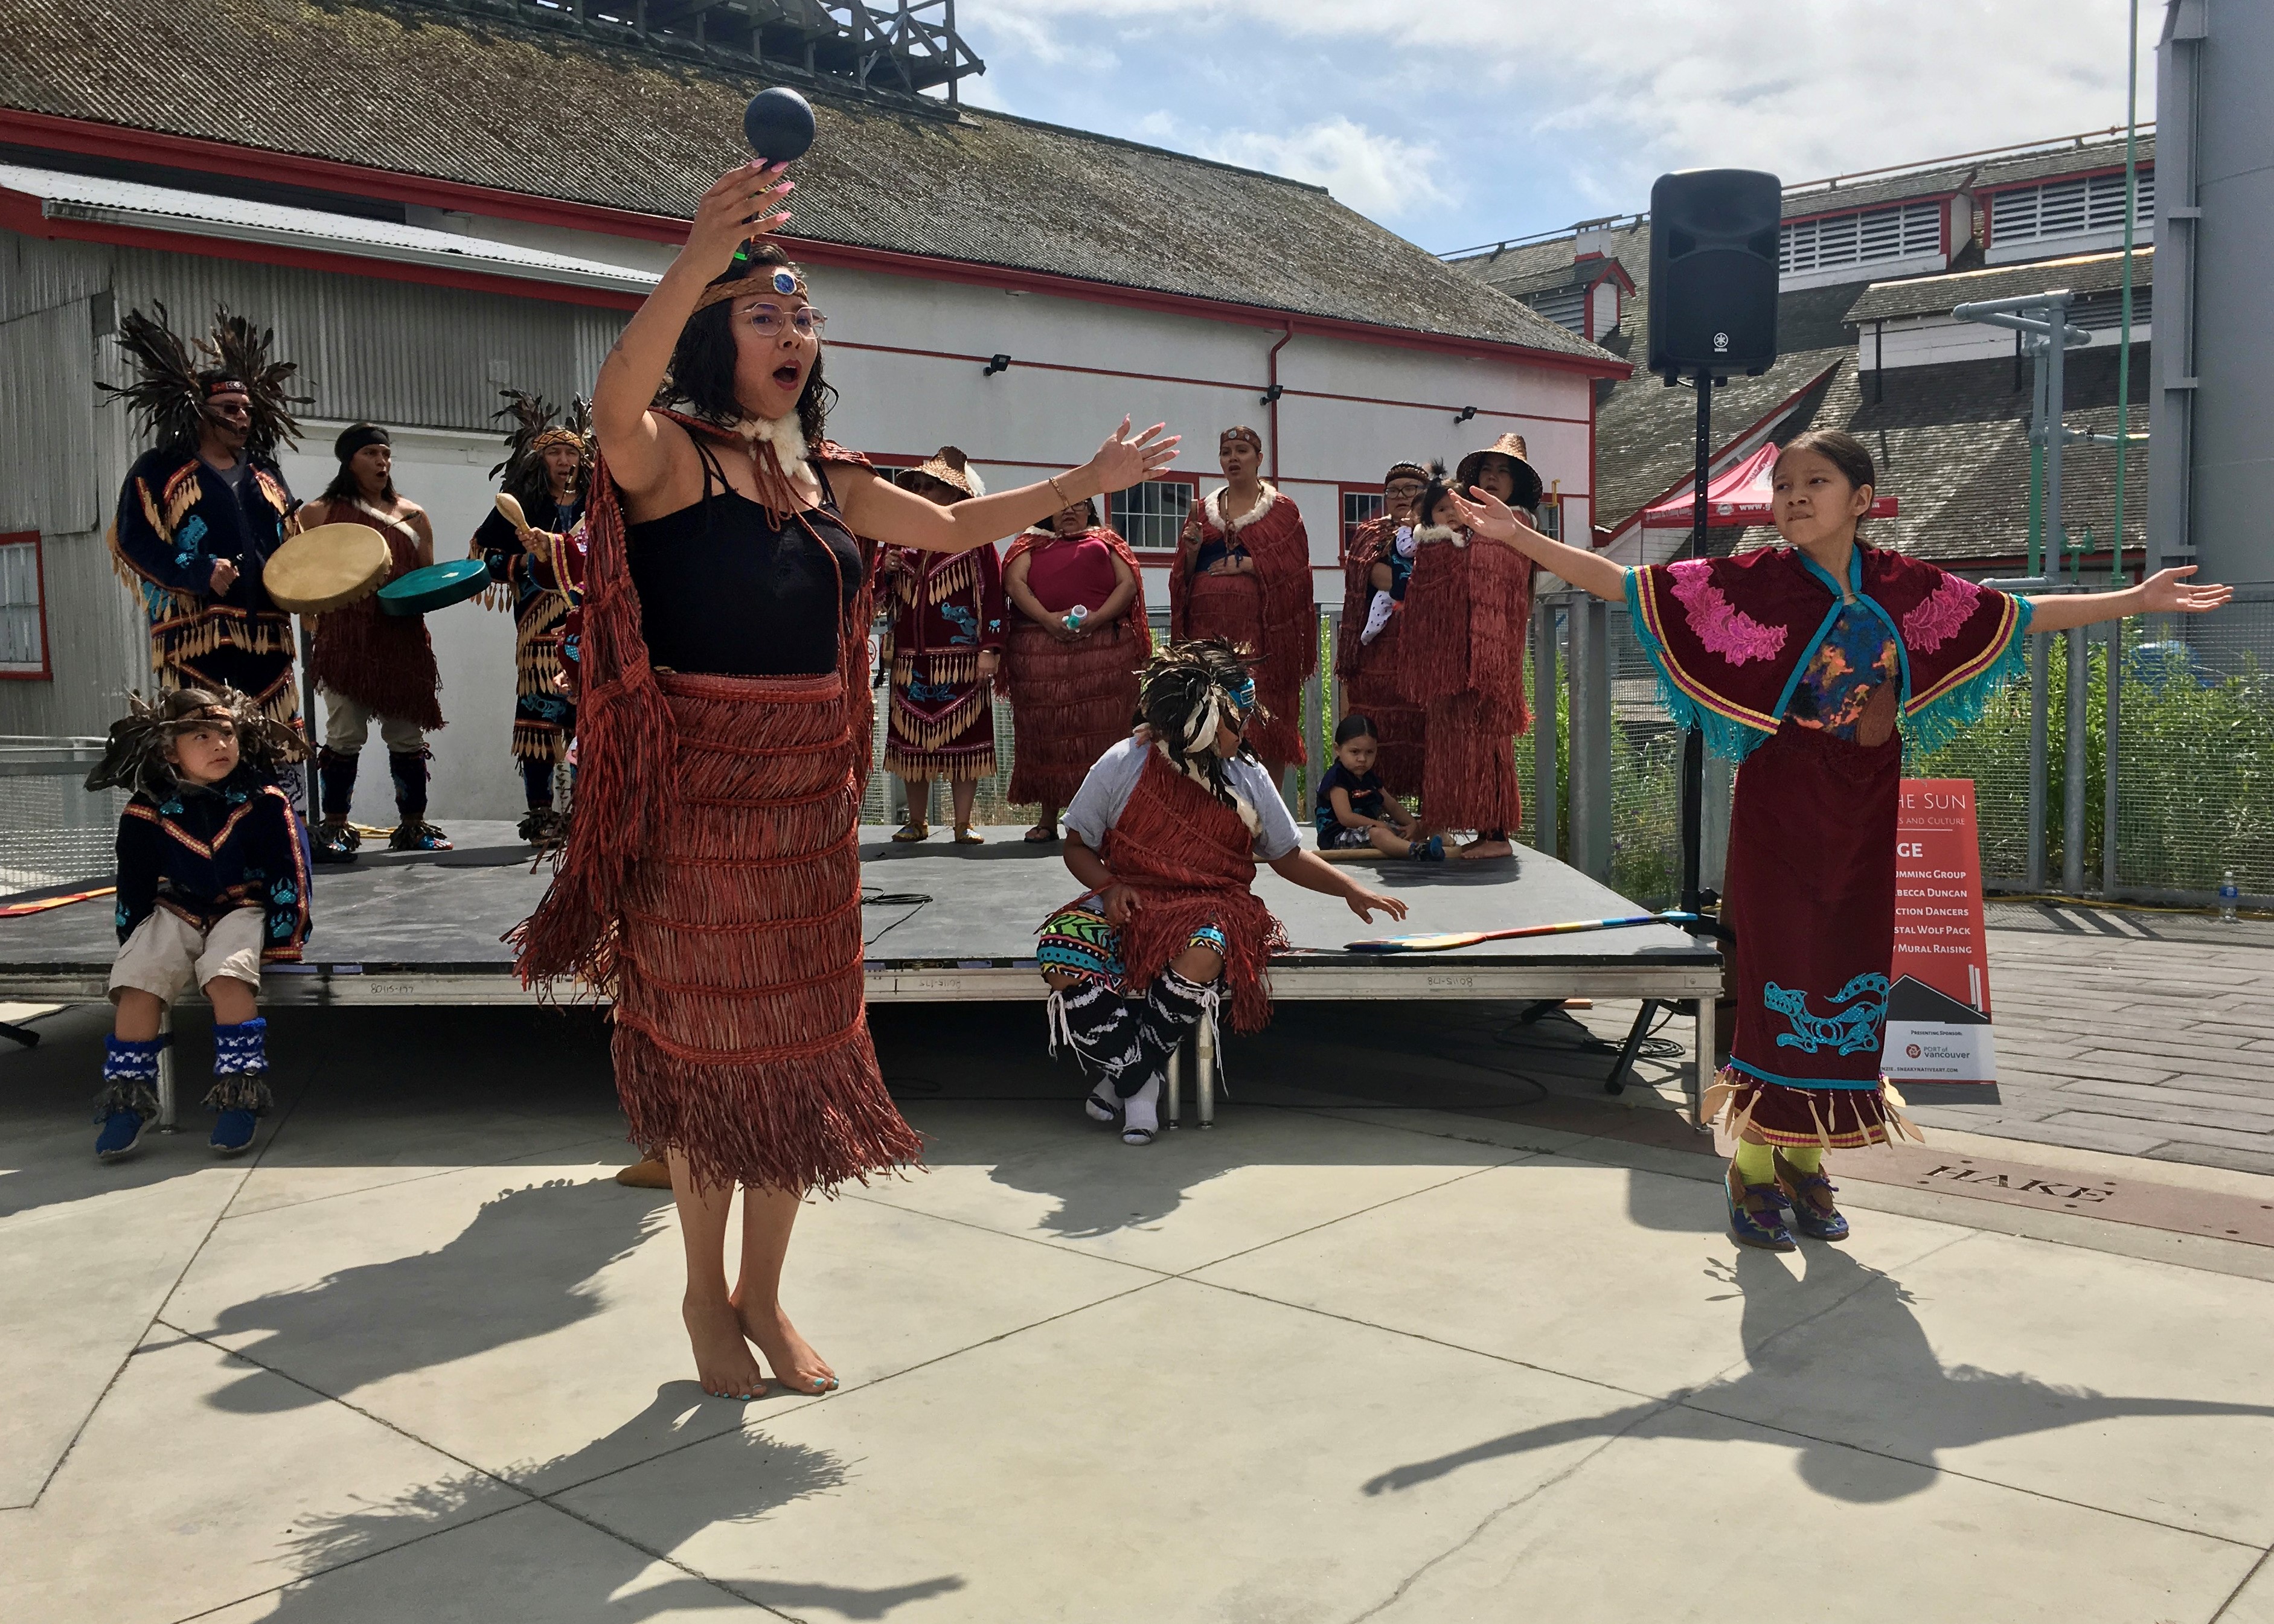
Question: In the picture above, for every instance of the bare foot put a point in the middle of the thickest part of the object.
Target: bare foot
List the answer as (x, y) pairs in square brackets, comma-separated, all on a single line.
[(721, 1359), (1486, 849), (789, 1356)]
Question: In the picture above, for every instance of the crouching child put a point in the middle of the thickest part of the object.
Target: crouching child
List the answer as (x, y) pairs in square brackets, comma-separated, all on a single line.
[(213, 883), (1165, 833)]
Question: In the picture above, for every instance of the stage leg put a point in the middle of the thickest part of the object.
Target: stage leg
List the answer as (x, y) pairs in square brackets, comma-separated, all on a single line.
[(1699, 1072), (1616, 1083), (1175, 1087), (166, 1073), (1204, 1073), (25, 1035)]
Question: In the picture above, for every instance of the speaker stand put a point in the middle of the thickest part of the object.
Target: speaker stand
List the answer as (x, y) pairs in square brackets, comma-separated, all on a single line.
[(1693, 742)]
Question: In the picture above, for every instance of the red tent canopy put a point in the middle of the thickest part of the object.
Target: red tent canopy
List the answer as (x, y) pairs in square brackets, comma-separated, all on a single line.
[(1736, 496)]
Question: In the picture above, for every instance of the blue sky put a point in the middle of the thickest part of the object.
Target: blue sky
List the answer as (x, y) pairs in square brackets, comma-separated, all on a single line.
[(1457, 121)]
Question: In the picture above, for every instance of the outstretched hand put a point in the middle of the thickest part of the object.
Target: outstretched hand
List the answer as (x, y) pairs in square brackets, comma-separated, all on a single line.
[(1486, 515), (1124, 460), (2167, 591), (1364, 902), (739, 206)]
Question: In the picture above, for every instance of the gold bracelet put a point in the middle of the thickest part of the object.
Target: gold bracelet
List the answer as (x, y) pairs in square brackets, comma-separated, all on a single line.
[(1064, 500)]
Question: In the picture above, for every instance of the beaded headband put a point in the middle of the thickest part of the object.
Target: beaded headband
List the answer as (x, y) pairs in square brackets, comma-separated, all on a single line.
[(780, 279)]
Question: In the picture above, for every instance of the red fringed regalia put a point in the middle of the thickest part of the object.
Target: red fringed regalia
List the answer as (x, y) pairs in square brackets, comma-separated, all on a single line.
[(1368, 671), (1269, 614), (1191, 860), (947, 611), (1461, 658), (711, 887), (1071, 702), (383, 662), (1810, 894)]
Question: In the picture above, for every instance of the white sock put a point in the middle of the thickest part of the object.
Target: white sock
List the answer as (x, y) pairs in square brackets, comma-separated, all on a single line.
[(1141, 1112), (1102, 1104)]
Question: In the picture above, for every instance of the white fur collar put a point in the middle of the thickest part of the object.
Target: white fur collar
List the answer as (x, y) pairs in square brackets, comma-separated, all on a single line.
[(1232, 527), (1442, 532), (1240, 803), (783, 433)]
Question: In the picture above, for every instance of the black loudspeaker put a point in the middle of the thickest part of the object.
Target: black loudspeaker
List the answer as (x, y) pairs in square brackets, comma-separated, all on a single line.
[(1714, 271)]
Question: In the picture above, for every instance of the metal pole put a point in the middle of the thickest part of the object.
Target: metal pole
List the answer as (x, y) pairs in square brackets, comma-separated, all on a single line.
[(2109, 875), (1591, 852), (1693, 742), (2056, 410), (2110, 742), (2079, 678)]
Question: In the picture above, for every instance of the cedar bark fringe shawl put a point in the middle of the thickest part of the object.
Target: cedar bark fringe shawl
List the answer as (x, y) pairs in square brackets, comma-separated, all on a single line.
[(1461, 655), (383, 662), (1191, 860), (1369, 670), (1070, 703), (1279, 627), (742, 1038)]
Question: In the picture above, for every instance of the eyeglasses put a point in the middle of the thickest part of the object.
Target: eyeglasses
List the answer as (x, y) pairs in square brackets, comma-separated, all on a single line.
[(767, 321), (230, 408)]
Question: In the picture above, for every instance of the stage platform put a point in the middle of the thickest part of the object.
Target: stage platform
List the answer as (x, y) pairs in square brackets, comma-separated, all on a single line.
[(945, 923)]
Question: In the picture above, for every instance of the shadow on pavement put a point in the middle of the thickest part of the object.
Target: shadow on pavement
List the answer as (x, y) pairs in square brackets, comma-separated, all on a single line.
[(1962, 1406)]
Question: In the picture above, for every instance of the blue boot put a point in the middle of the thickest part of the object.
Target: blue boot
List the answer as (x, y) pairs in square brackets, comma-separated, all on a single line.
[(240, 1091), (1756, 1215), (1814, 1213), (128, 1100)]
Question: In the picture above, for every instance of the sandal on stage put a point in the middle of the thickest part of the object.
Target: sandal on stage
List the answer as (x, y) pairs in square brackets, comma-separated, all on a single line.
[(1102, 1104), (1041, 834), (1818, 1222), (965, 835), (1754, 1218), (915, 829)]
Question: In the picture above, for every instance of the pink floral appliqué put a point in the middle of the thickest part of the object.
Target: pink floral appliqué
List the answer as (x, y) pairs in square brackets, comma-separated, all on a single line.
[(1935, 620), (1720, 625)]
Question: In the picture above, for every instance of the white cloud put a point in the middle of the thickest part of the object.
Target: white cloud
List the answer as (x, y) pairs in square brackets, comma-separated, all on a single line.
[(1377, 174)]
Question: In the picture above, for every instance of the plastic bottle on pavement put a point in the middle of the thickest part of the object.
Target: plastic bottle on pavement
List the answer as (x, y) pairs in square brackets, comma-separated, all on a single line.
[(2228, 894)]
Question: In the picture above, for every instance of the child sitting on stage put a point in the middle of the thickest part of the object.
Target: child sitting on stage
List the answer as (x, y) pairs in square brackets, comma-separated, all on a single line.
[(1354, 812), (1165, 832), (212, 881)]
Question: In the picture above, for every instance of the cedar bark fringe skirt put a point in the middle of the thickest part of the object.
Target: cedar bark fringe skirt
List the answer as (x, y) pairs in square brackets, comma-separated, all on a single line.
[(1400, 726), (741, 1039), (1231, 608), (1070, 703), (1468, 780)]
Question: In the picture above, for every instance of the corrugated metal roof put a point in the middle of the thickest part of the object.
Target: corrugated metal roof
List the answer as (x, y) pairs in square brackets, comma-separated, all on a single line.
[(1876, 194), (498, 104), (1925, 295), (2068, 161), (131, 203)]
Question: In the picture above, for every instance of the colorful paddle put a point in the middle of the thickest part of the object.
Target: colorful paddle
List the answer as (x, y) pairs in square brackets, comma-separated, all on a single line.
[(17, 910), (1469, 938)]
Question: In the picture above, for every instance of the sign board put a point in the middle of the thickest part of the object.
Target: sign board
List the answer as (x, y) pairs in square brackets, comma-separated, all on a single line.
[(1938, 1026)]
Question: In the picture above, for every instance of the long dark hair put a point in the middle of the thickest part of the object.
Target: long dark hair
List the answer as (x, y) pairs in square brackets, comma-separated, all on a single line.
[(702, 376), (1850, 456), (344, 487)]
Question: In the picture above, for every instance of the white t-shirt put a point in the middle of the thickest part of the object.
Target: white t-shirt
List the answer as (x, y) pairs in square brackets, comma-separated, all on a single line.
[(1097, 804)]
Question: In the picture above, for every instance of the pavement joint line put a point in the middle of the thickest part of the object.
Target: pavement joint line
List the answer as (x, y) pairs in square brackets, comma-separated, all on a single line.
[(1537, 1490), (2234, 1595), (415, 1179), (1012, 1235), (527, 1497)]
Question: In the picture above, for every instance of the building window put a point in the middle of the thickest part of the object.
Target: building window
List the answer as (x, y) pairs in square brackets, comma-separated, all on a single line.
[(1150, 516), (1551, 517), (1360, 507), (1869, 237), (23, 615), (2076, 208)]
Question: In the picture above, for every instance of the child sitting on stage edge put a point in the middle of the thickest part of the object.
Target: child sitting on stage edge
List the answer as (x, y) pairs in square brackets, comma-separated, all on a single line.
[(1355, 813), (212, 882), (1165, 833)]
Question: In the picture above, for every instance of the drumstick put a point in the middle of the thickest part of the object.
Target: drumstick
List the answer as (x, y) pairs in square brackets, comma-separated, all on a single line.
[(1468, 939), (511, 508)]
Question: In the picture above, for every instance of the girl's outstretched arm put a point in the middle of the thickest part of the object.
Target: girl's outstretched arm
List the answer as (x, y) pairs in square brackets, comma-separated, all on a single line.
[(1494, 519), (2167, 591), (1314, 872)]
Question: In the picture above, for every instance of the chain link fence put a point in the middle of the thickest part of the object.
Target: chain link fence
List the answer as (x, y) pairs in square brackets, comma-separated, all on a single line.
[(53, 832)]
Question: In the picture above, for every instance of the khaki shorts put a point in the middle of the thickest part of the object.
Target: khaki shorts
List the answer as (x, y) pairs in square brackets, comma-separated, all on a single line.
[(166, 953), (347, 727)]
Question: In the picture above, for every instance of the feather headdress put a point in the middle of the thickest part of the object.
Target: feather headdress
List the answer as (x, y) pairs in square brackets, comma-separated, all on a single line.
[(170, 388), (135, 757), (1186, 694), (536, 424)]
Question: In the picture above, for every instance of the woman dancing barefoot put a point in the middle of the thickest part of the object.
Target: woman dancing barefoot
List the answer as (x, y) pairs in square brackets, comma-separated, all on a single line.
[(710, 883)]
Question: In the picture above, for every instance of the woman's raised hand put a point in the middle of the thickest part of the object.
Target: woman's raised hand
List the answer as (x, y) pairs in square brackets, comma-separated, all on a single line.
[(739, 204), (1124, 460), (2168, 592), (1486, 515)]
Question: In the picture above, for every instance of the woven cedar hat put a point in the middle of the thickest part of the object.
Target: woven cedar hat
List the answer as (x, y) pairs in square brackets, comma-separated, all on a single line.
[(951, 468), (1529, 484)]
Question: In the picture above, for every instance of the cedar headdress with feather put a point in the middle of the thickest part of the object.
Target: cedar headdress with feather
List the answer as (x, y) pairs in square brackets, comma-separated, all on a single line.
[(135, 757), (534, 430), (1187, 693), (171, 391)]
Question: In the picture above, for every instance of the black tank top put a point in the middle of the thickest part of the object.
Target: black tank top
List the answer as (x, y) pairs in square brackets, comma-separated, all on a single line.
[(724, 593)]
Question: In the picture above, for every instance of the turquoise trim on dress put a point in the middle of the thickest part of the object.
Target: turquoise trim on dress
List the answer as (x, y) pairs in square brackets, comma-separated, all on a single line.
[(1849, 1083), (1942, 722), (1730, 740)]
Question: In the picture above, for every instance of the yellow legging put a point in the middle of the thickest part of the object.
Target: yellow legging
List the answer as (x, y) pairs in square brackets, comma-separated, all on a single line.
[(1756, 1164)]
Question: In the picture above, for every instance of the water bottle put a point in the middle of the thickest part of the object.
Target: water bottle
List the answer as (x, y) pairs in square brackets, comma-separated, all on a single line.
[(2228, 894), (1075, 616)]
